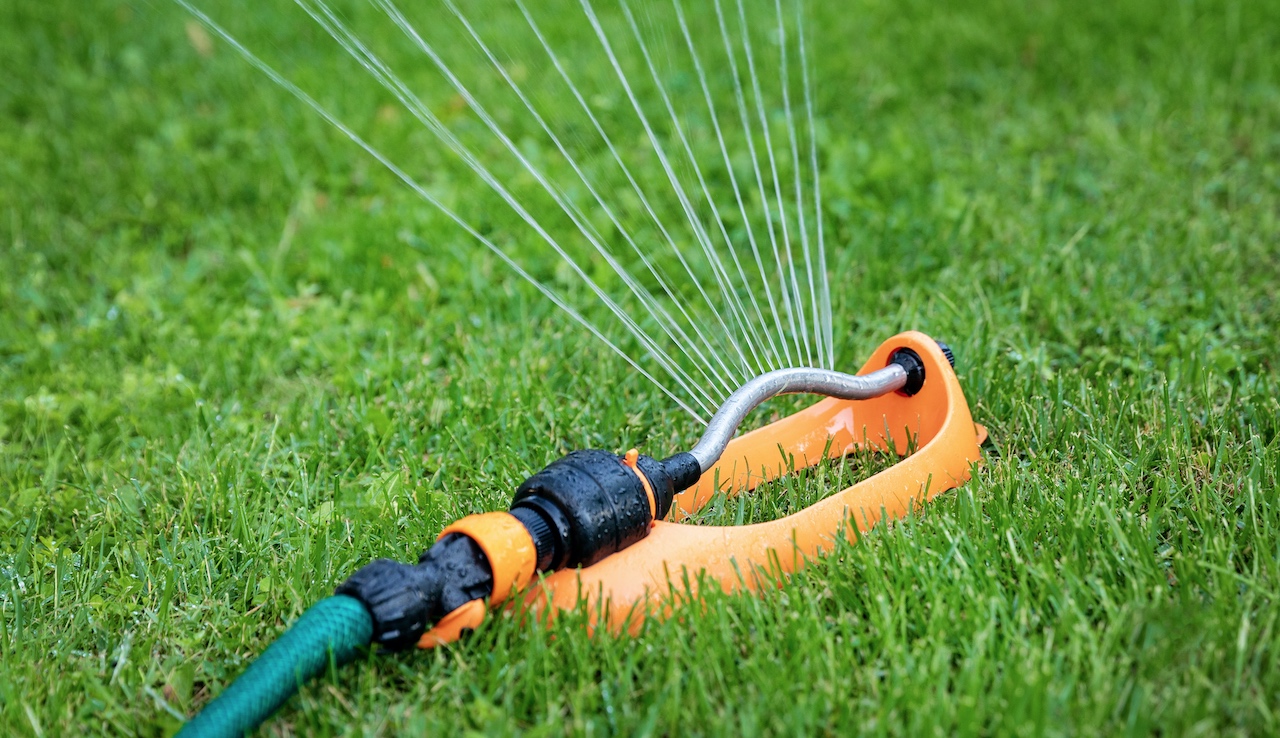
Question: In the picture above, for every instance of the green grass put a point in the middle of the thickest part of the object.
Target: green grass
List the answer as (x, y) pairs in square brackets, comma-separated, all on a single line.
[(228, 378)]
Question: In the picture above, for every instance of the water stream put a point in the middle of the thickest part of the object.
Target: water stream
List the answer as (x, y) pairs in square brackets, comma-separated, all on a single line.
[(707, 217)]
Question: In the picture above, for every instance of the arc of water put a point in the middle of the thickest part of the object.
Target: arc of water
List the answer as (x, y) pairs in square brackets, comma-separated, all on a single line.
[(617, 158), (392, 83), (682, 197), (728, 380), (579, 219), (798, 168), (825, 289), (737, 195), (713, 254), (747, 127), (680, 338), (422, 192), (798, 313)]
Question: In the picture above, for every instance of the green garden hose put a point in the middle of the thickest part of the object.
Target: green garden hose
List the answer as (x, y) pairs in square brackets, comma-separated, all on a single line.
[(334, 630)]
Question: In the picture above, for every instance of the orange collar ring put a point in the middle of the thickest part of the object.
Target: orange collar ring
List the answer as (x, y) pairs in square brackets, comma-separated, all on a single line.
[(596, 525)]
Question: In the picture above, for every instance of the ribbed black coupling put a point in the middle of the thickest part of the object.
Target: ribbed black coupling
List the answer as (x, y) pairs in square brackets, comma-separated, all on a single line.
[(946, 351), (588, 505), (549, 529), (406, 600)]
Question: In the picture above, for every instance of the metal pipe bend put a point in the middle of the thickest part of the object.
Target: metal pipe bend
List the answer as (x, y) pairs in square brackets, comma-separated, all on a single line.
[(806, 380)]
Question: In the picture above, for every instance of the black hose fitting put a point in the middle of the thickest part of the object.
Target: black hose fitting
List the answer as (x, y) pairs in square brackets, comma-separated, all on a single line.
[(405, 600), (911, 363), (683, 470), (549, 528), (588, 505)]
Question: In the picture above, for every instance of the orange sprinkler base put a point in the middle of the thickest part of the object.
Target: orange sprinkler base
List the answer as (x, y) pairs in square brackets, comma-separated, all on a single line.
[(642, 580)]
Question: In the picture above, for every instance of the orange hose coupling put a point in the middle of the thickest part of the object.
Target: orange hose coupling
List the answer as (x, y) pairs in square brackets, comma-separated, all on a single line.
[(508, 546), (513, 559)]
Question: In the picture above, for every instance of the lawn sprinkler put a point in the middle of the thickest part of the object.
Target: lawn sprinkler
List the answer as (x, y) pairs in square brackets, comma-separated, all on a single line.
[(592, 529)]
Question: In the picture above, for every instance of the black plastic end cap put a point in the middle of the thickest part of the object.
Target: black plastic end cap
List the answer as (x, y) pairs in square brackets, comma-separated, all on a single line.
[(660, 479), (911, 363), (683, 469)]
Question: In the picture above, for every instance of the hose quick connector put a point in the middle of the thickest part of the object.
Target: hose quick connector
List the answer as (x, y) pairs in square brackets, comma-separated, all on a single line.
[(405, 600), (590, 504)]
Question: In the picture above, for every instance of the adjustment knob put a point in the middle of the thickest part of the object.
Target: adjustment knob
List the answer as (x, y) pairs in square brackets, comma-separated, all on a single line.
[(946, 351)]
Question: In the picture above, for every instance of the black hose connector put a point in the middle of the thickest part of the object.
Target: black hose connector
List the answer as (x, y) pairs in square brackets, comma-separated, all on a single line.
[(399, 597), (588, 505), (406, 600)]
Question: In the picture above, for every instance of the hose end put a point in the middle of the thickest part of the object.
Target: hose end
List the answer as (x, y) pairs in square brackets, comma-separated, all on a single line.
[(405, 600)]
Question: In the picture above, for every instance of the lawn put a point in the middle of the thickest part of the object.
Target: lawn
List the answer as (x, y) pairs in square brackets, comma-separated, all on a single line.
[(238, 360)]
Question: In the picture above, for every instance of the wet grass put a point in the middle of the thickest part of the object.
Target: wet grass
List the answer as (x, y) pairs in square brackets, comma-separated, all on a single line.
[(237, 361)]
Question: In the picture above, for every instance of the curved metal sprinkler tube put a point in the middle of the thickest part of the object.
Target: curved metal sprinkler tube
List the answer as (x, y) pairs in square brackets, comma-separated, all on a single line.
[(724, 424)]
